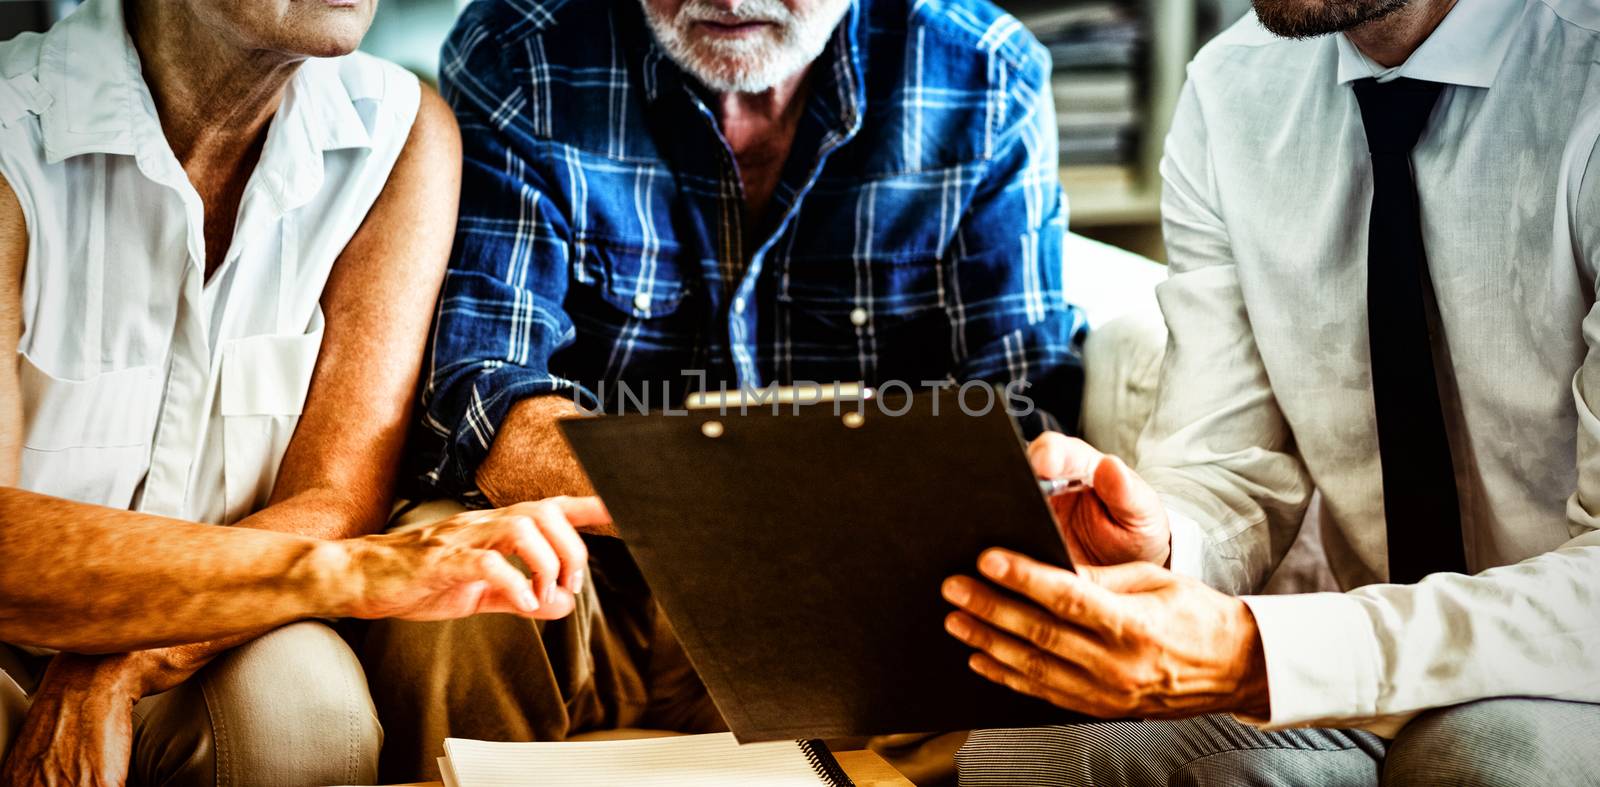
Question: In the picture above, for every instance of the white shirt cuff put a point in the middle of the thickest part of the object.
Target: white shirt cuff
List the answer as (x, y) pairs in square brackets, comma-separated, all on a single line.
[(1188, 545), (1322, 659)]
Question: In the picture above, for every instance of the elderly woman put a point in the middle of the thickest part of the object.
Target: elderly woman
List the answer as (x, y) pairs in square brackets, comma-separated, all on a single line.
[(221, 234)]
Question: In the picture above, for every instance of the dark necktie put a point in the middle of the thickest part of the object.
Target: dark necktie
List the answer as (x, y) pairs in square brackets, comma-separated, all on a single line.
[(1419, 485)]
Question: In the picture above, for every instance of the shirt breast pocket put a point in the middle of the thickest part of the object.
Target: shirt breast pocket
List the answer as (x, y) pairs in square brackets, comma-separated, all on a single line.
[(625, 297), (636, 282), (264, 383), (881, 319), (88, 440)]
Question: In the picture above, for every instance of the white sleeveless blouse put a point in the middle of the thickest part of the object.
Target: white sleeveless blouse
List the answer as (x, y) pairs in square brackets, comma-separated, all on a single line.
[(144, 385)]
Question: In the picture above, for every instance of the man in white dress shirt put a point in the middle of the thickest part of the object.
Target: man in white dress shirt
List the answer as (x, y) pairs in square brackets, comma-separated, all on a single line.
[(1383, 221)]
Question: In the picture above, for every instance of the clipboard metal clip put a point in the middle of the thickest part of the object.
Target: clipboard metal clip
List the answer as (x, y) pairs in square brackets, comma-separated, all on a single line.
[(781, 395)]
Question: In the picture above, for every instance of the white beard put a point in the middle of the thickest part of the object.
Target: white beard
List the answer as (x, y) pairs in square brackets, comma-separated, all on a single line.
[(750, 64)]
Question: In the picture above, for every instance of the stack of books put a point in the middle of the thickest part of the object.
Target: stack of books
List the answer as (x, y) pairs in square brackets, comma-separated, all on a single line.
[(1097, 46)]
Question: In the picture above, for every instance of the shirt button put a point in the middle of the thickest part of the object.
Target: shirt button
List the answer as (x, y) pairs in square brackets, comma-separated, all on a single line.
[(858, 316), (642, 302), (738, 305)]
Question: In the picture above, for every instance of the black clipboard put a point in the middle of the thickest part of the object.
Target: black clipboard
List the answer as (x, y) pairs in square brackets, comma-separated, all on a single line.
[(799, 555)]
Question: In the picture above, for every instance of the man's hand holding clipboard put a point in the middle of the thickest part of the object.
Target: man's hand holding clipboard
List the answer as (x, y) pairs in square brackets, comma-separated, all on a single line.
[(1119, 636)]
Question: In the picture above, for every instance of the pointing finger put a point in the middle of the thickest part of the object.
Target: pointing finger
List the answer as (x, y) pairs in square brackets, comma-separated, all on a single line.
[(566, 542), (501, 581), (529, 543)]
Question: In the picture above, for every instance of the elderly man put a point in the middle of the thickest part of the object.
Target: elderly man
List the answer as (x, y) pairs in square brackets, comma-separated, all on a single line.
[(708, 192), (1384, 226)]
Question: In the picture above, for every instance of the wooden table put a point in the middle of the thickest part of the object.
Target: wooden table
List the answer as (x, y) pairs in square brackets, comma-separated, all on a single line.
[(865, 768)]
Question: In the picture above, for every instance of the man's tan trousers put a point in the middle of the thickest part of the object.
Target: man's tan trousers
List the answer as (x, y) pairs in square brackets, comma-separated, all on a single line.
[(613, 663)]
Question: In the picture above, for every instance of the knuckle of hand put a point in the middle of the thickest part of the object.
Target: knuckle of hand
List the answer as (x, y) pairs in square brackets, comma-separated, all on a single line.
[(1069, 606), (1141, 678), (1043, 634), (1133, 633), (980, 604), (979, 637), (434, 536), (1034, 667)]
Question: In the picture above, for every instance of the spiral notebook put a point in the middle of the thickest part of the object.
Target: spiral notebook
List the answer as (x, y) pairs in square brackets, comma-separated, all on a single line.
[(677, 761)]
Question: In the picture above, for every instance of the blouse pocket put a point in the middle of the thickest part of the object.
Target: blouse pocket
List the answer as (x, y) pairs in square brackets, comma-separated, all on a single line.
[(88, 440), (264, 383)]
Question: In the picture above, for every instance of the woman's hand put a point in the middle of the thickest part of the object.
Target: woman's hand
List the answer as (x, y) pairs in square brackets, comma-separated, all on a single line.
[(79, 728), (460, 567)]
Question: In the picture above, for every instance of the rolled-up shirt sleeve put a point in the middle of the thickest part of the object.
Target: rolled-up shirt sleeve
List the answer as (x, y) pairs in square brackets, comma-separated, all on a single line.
[(1016, 326), (500, 315)]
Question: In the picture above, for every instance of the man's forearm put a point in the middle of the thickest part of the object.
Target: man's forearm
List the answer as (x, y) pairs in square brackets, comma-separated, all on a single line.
[(156, 581), (530, 460)]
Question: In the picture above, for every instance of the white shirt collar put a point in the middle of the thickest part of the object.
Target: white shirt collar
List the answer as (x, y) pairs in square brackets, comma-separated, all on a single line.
[(1466, 48), (99, 102)]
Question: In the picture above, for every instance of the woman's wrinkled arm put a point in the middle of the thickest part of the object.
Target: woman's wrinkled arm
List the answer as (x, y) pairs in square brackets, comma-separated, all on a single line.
[(75, 579), (85, 578)]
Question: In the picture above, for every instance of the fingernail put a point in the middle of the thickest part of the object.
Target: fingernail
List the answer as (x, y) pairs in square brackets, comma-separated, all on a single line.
[(955, 625), (956, 591), (577, 580), (528, 601), (993, 564), (548, 593)]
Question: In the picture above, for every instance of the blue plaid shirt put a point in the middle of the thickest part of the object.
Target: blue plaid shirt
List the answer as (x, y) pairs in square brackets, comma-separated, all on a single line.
[(915, 233)]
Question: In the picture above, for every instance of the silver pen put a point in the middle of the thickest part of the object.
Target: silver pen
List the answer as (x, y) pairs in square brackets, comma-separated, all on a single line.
[(1058, 486)]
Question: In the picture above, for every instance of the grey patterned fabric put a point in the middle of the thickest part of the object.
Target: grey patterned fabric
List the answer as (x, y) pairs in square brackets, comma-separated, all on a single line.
[(1209, 750), (1491, 743)]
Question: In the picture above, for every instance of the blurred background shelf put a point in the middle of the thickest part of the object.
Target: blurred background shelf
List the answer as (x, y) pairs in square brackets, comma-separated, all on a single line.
[(1119, 68), (1096, 203)]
